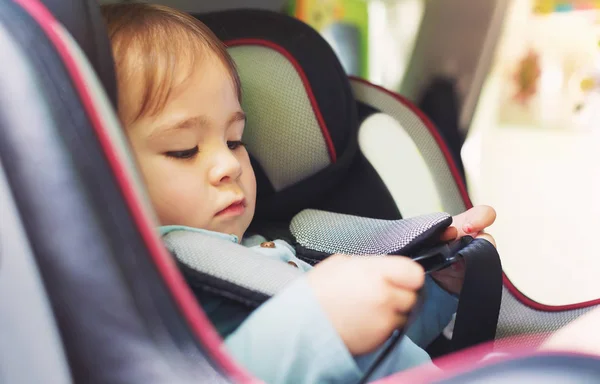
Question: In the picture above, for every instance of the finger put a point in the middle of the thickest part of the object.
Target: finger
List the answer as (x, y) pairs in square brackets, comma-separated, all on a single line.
[(478, 218), (402, 272), (337, 258), (451, 233), (403, 300)]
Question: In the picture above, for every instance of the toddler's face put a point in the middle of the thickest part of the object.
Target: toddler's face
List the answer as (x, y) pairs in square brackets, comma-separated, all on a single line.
[(197, 172)]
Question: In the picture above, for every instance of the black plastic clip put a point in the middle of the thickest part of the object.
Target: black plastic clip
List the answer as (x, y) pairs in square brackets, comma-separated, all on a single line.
[(442, 256)]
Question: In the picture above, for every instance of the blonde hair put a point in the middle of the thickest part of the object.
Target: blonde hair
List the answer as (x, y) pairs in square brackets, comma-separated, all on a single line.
[(152, 45)]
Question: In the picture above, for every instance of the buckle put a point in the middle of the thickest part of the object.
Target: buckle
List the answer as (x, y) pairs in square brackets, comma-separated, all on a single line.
[(442, 256)]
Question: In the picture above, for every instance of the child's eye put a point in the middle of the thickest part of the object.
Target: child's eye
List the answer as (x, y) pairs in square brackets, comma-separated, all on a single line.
[(185, 154), (235, 144)]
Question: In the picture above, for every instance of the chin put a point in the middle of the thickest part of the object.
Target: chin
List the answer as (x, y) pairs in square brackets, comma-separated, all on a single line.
[(230, 231)]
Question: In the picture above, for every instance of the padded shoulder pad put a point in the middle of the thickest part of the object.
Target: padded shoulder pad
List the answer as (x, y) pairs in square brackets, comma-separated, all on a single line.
[(329, 233), (228, 269)]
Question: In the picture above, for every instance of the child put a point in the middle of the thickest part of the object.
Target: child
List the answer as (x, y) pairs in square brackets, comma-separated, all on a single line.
[(179, 100)]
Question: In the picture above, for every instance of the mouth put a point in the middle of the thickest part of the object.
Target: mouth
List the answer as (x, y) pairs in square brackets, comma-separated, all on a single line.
[(234, 209)]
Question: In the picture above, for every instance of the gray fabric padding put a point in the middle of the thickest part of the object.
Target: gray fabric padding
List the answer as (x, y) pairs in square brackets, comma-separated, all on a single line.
[(230, 262), (338, 233), (517, 319), (452, 201), (282, 131), (243, 267)]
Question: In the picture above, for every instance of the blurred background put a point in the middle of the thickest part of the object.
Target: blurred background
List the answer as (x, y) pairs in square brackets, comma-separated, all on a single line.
[(514, 88)]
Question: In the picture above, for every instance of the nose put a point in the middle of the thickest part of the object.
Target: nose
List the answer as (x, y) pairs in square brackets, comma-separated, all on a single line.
[(225, 168)]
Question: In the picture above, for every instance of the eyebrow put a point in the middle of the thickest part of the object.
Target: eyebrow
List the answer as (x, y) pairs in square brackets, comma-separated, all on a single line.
[(237, 116), (196, 121)]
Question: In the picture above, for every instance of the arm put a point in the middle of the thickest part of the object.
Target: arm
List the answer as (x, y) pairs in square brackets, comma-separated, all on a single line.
[(437, 310), (290, 340), (404, 356), (436, 313)]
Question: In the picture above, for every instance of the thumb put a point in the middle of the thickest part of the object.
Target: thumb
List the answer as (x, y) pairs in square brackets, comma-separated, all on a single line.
[(477, 219), (402, 272), (449, 234)]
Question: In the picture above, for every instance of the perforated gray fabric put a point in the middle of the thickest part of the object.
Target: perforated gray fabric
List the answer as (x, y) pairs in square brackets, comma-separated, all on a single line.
[(452, 201), (517, 319), (355, 235), (230, 262), (282, 131)]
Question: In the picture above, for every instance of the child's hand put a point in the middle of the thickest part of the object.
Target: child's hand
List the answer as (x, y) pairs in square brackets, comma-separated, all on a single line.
[(471, 222), (366, 299)]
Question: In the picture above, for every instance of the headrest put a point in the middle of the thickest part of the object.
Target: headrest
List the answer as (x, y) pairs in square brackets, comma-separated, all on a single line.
[(83, 21), (302, 120)]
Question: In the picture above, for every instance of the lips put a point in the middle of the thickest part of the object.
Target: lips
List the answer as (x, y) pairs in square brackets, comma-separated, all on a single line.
[(234, 209)]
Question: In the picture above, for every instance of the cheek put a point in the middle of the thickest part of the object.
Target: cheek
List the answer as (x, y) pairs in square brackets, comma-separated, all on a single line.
[(249, 180), (173, 189)]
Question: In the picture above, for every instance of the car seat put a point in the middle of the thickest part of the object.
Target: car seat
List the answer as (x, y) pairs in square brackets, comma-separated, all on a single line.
[(419, 157), (440, 102), (304, 115), (103, 300)]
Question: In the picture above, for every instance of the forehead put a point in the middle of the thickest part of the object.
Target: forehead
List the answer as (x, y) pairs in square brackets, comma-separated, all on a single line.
[(205, 98), (207, 88), (151, 77)]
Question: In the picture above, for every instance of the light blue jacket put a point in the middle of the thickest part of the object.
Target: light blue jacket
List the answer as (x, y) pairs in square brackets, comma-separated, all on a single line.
[(289, 339)]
